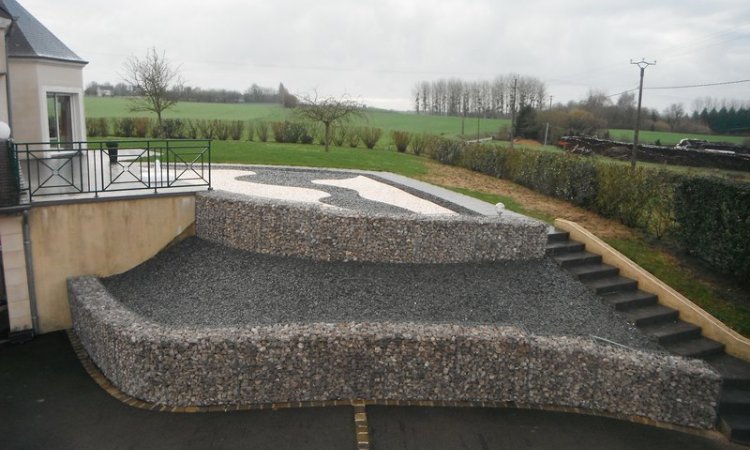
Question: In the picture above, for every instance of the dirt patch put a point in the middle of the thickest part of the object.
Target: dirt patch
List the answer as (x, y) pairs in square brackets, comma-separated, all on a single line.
[(456, 177)]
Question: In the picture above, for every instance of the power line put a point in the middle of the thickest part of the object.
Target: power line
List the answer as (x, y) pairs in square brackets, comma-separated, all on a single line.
[(689, 86)]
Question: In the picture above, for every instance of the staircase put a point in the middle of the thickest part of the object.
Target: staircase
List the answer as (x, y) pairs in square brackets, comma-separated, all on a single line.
[(663, 325)]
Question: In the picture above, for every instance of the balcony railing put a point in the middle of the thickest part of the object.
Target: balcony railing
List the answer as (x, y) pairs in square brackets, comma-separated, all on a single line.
[(111, 168)]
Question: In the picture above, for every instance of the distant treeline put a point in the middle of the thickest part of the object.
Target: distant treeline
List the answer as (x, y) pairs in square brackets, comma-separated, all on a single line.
[(496, 98), (253, 94), (726, 121)]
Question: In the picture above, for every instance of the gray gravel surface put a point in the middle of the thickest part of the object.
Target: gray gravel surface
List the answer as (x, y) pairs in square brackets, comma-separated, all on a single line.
[(197, 283), (341, 197)]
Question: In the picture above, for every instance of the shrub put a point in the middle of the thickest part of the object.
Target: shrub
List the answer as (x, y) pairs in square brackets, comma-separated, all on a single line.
[(124, 127), (447, 151), (191, 129), (236, 129), (97, 127), (277, 129), (173, 129), (261, 128), (250, 130), (370, 136), (220, 130), (339, 135), (142, 127), (205, 130), (401, 140), (418, 142), (714, 223), (352, 138)]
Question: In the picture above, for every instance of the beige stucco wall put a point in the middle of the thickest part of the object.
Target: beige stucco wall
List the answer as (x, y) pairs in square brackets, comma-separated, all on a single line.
[(100, 238), (30, 81), (14, 267)]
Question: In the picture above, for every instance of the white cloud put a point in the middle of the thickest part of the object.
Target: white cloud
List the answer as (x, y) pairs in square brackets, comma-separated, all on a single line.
[(379, 49)]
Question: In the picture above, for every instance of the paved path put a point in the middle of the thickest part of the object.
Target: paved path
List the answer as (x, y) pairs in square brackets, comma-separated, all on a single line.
[(47, 401)]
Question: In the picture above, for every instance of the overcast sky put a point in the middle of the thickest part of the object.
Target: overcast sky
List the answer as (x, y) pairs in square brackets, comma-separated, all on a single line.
[(377, 50)]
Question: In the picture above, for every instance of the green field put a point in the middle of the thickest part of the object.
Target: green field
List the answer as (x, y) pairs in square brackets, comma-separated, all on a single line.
[(387, 120), (669, 138)]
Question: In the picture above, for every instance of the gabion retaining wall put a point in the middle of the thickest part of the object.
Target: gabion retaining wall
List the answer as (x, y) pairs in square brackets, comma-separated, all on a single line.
[(308, 231), (315, 362)]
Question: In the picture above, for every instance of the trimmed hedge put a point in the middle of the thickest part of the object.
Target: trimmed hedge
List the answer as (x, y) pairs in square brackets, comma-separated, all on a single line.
[(714, 219), (709, 217)]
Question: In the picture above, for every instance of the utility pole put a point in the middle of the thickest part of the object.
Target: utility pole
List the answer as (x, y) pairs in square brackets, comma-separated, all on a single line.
[(550, 101), (642, 64), (513, 113)]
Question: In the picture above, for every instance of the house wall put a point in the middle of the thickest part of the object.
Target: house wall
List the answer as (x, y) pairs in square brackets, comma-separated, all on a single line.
[(30, 82), (100, 238)]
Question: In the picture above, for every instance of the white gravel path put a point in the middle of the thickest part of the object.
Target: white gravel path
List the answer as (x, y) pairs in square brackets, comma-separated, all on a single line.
[(380, 192), (226, 180)]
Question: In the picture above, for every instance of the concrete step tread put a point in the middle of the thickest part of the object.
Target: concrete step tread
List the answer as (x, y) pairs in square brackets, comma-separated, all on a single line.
[(629, 299), (556, 248), (577, 258), (737, 426), (558, 236), (734, 371), (735, 396), (647, 315), (695, 348), (588, 270), (672, 331), (612, 284)]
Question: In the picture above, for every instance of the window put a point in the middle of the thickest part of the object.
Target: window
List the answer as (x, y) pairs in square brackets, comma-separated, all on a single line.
[(60, 117)]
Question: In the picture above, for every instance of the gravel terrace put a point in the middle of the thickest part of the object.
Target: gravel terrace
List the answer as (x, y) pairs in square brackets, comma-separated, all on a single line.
[(197, 283)]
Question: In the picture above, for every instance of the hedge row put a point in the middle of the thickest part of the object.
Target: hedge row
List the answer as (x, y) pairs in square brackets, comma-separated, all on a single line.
[(714, 218), (709, 217), (281, 131)]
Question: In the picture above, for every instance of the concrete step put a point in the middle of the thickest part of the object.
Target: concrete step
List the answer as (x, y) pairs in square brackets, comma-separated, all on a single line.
[(667, 332), (695, 348), (650, 315), (559, 248), (557, 236), (734, 401), (736, 427), (612, 284), (568, 260), (594, 271), (735, 372), (622, 301)]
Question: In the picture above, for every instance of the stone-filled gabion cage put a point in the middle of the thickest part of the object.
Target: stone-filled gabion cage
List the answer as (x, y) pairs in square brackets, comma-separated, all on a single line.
[(203, 366)]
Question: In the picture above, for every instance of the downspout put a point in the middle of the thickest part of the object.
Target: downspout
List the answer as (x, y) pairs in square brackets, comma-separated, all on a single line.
[(7, 78), (30, 271)]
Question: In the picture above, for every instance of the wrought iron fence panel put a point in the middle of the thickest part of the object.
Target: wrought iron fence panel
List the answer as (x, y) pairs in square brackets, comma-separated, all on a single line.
[(55, 169)]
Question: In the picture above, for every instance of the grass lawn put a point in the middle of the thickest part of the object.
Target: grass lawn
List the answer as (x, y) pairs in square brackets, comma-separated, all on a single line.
[(669, 138), (316, 156)]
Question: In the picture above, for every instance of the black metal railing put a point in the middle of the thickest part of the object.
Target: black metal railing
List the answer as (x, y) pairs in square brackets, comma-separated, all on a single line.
[(71, 168)]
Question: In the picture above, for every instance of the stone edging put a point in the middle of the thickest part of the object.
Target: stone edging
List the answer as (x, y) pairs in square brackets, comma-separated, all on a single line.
[(308, 363), (307, 231)]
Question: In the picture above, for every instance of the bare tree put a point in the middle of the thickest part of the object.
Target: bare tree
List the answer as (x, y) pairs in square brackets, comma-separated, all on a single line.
[(328, 111), (154, 81)]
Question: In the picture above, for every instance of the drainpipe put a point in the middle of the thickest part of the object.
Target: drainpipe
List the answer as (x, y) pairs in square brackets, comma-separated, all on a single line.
[(30, 271), (7, 77)]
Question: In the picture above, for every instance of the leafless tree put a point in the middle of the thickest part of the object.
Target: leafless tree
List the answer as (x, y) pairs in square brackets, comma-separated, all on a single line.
[(154, 81), (328, 111)]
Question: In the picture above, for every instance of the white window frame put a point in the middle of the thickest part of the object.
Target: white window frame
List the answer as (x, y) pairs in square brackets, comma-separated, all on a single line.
[(78, 122)]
